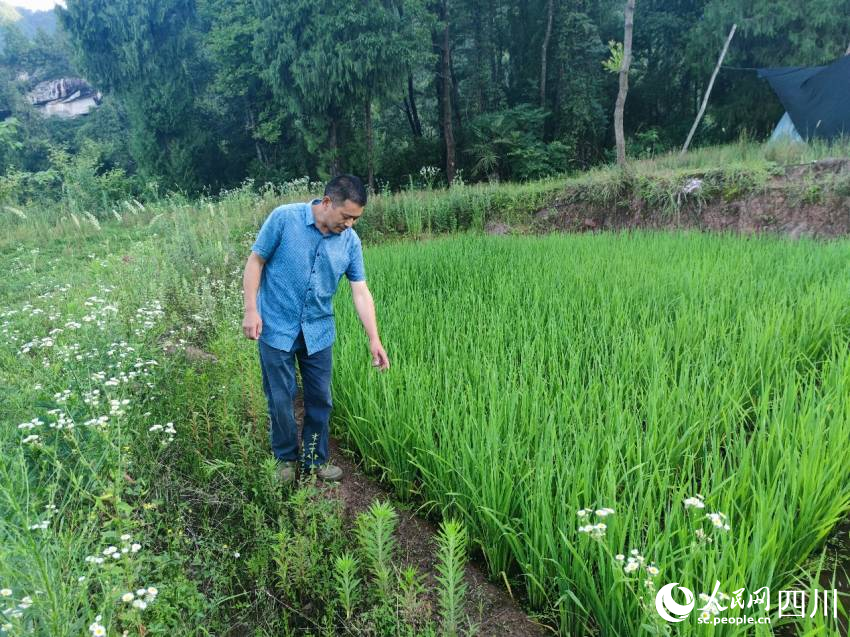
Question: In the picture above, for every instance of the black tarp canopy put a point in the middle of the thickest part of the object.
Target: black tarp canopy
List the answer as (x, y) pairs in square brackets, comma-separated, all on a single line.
[(817, 97)]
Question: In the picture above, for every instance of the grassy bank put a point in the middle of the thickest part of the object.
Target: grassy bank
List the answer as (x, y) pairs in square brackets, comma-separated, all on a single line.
[(137, 492), (667, 183)]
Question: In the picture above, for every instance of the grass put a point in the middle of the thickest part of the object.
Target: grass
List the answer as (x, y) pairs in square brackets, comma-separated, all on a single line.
[(137, 491)]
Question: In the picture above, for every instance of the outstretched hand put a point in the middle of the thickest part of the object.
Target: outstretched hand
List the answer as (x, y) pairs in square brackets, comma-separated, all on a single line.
[(379, 356)]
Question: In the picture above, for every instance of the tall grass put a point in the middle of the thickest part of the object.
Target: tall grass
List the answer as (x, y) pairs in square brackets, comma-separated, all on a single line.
[(534, 378)]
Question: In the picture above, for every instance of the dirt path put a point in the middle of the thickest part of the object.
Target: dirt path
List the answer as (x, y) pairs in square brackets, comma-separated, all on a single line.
[(499, 614), (489, 606)]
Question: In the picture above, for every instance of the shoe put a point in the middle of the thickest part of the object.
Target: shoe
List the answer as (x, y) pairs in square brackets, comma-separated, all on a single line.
[(328, 472), (286, 471)]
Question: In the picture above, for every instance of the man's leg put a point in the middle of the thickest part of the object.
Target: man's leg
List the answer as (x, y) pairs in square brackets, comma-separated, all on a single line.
[(279, 386), (316, 380)]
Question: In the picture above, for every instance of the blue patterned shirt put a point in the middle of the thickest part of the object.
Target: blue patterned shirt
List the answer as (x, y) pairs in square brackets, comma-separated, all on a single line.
[(302, 270)]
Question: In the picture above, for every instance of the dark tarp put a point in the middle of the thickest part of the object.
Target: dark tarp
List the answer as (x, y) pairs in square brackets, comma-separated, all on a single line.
[(817, 98)]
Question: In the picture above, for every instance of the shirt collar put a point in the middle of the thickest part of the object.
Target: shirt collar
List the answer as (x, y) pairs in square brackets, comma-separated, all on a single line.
[(309, 219)]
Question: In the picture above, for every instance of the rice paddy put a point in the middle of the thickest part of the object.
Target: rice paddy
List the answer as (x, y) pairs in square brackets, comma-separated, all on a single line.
[(611, 413)]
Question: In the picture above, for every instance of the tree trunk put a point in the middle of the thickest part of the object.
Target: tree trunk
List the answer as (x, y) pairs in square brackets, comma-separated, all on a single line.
[(410, 108), (445, 83), (370, 159), (495, 44), (249, 125), (480, 71), (455, 93), (708, 91), (545, 51), (624, 83), (332, 143)]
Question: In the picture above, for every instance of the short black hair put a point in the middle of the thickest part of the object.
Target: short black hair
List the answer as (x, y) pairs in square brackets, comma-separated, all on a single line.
[(344, 187)]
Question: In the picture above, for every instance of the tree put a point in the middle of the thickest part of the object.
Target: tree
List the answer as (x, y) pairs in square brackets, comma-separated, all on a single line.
[(550, 13), (443, 81), (624, 83), (384, 44), (144, 52)]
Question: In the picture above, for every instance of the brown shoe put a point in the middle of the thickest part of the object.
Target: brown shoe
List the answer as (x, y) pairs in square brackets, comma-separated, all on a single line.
[(327, 472), (286, 471)]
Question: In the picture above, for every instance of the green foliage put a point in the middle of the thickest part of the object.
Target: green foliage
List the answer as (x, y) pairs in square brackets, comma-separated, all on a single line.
[(10, 142), (203, 95), (509, 145), (724, 390), (145, 53), (375, 530), (346, 567), (615, 57), (452, 542)]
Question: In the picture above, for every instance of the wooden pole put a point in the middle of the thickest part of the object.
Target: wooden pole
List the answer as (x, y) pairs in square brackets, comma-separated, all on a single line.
[(708, 91)]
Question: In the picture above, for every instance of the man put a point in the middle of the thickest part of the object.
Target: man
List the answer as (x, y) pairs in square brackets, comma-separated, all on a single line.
[(300, 254)]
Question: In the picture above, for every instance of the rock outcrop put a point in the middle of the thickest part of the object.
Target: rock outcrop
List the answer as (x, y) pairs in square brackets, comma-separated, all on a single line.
[(65, 97)]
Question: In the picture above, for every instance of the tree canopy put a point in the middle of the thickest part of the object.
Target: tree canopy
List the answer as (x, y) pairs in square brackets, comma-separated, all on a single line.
[(212, 92)]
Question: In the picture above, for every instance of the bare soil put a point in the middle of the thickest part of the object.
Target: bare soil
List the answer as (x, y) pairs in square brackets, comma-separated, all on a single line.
[(802, 202)]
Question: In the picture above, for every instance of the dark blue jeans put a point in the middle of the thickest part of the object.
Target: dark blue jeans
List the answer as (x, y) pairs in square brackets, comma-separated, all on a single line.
[(279, 386)]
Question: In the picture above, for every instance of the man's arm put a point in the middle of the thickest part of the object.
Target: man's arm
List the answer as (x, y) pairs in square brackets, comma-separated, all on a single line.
[(365, 307), (252, 324)]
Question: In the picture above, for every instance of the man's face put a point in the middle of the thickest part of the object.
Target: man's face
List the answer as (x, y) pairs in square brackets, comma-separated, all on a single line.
[(342, 216)]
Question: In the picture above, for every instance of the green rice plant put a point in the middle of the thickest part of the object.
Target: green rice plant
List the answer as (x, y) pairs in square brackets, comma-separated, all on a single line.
[(540, 376), (347, 581), (374, 529)]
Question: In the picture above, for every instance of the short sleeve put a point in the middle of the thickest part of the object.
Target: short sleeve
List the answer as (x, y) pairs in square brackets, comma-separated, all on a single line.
[(356, 271), (268, 238)]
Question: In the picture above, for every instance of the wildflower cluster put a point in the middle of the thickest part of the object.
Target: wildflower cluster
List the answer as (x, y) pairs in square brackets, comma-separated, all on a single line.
[(718, 520), (113, 552), (634, 563), (147, 317), (712, 603), (697, 502), (49, 511), (596, 531), (167, 430), (96, 628), (429, 175), (13, 611), (300, 185), (141, 598)]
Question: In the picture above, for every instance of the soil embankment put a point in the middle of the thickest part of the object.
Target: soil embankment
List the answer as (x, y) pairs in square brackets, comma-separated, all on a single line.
[(805, 200)]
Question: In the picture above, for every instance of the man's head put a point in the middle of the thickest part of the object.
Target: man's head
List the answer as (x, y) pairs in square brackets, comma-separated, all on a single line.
[(343, 202)]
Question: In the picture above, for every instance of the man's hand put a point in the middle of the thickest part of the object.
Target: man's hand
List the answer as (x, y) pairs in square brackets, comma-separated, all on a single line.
[(379, 356), (252, 324), (366, 311)]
